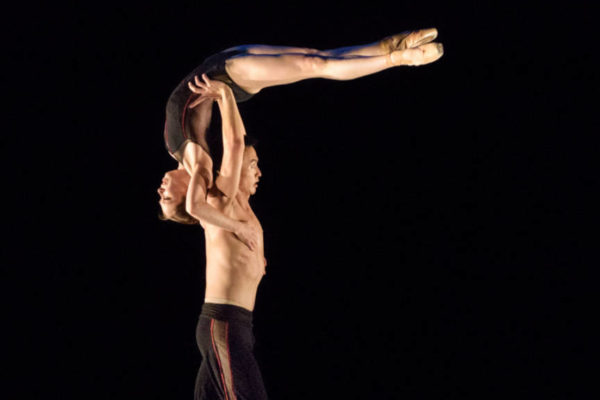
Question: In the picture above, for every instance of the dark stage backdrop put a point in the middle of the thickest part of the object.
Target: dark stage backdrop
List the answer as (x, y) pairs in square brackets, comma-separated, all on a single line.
[(425, 228)]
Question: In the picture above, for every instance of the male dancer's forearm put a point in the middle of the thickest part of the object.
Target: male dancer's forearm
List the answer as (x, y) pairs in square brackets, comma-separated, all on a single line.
[(233, 125)]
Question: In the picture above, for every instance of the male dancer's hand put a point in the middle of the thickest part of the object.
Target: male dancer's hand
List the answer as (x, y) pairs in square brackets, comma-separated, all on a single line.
[(247, 234), (208, 90)]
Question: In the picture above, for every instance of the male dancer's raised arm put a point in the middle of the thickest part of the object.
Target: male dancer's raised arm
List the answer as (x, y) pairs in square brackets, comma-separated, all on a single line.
[(233, 147), (234, 131)]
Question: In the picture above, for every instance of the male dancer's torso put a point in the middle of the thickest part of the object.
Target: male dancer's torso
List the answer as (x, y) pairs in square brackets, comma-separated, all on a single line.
[(233, 271)]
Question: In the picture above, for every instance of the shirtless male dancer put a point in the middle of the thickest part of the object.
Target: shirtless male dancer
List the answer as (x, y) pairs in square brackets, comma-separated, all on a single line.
[(234, 242), (233, 271), (247, 70)]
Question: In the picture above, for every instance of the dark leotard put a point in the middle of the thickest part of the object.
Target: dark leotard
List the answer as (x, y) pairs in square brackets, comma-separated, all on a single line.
[(177, 128)]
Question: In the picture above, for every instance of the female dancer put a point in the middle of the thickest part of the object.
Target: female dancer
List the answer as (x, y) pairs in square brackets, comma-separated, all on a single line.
[(247, 70)]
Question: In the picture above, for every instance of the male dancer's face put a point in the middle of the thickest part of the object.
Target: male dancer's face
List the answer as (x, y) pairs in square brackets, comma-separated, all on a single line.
[(172, 191), (250, 174)]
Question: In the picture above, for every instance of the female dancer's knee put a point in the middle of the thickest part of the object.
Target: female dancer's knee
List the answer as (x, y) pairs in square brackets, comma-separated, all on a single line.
[(312, 64)]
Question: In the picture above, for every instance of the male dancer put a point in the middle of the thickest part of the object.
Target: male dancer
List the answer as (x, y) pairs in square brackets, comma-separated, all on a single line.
[(233, 270)]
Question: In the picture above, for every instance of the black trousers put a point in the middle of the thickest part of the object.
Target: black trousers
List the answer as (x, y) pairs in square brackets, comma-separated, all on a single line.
[(229, 370)]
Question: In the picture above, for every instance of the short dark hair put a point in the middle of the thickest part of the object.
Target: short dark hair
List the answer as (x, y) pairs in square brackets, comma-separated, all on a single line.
[(250, 141), (216, 152)]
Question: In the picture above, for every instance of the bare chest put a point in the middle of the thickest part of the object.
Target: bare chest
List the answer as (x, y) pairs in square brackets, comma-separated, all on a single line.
[(241, 213)]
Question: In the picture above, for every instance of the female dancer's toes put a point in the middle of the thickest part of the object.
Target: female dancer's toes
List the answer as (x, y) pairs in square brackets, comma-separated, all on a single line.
[(408, 40), (421, 55), (421, 37)]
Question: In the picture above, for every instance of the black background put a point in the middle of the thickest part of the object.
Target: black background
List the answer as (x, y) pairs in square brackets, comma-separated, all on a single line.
[(425, 227)]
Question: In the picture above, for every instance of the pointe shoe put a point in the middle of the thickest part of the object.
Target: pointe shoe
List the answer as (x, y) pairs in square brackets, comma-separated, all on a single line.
[(409, 39), (421, 55)]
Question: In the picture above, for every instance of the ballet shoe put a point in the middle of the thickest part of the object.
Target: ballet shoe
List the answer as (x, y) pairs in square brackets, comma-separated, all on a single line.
[(409, 39), (421, 55)]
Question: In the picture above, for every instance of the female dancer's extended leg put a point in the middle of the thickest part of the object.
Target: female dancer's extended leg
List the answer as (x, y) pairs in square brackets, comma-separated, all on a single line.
[(400, 41), (263, 66)]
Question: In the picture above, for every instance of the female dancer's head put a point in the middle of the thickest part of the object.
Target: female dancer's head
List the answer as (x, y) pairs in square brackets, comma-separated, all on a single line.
[(172, 192)]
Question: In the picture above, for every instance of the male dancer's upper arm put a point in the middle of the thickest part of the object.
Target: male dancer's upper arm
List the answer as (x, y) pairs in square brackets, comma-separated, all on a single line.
[(233, 146), (228, 179)]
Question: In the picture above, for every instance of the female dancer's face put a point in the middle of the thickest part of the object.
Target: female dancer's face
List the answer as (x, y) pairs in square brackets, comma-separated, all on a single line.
[(172, 190)]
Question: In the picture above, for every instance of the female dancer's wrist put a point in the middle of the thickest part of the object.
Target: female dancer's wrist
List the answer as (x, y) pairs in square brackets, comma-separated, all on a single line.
[(225, 92)]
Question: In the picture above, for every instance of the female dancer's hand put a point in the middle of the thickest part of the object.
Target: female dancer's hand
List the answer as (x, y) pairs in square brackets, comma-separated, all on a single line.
[(208, 90)]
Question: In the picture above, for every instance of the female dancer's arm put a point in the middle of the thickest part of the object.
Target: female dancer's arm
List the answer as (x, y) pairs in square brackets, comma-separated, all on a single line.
[(197, 207)]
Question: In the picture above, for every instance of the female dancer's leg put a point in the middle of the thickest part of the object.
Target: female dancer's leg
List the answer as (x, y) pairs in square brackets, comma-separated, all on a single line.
[(400, 41), (262, 66)]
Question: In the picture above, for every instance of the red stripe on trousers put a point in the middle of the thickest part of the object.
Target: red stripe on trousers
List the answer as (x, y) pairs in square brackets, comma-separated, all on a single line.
[(212, 337)]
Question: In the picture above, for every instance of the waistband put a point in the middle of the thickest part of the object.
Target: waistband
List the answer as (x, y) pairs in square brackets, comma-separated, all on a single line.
[(226, 312)]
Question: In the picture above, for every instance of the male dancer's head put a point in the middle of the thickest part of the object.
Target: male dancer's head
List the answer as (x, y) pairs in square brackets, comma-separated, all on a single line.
[(251, 173)]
